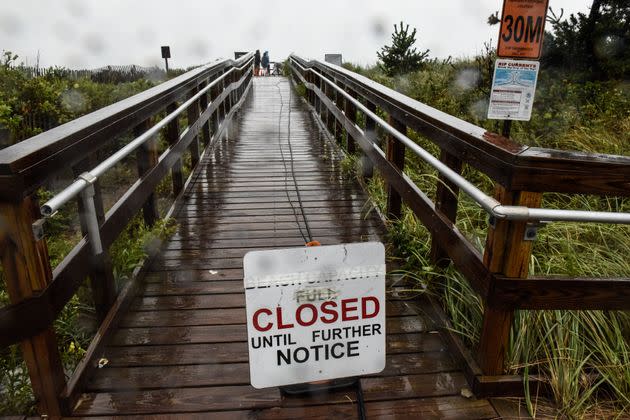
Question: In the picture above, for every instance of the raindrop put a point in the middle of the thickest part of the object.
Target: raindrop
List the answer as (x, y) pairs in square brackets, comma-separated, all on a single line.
[(75, 60), (402, 84), (153, 60), (76, 8), (479, 109), (146, 36), (152, 245), (10, 24), (94, 43), (155, 75), (609, 46), (377, 27), (256, 30), (199, 48), (73, 100), (63, 31), (467, 79)]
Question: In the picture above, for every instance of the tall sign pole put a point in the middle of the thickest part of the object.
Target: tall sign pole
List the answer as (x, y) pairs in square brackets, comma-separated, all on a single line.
[(516, 69)]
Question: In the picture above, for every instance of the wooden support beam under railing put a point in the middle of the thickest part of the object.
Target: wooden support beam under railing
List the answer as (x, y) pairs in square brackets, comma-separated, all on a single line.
[(172, 136), (147, 158), (351, 113), (395, 152), (205, 129), (507, 253), (27, 272), (192, 114), (339, 101), (446, 201)]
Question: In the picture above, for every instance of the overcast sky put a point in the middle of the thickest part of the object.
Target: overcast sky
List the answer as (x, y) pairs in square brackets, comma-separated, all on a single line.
[(94, 33)]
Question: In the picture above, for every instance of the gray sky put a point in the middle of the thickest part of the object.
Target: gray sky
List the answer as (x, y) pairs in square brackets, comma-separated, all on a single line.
[(94, 33)]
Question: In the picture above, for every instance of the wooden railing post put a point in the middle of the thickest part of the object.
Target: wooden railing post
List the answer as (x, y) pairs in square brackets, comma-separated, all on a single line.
[(446, 200), (203, 105), (350, 110), (214, 92), (102, 281), (330, 118), (320, 87), (192, 114), (226, 85), (396, 155), (310, 94), (172, 136), (370, 132), (340, 104), (222, 107), (147, 158), (27, 271), (507, 253)]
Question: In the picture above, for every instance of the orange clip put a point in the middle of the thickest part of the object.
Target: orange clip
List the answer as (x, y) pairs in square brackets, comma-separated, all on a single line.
[(313, 243)]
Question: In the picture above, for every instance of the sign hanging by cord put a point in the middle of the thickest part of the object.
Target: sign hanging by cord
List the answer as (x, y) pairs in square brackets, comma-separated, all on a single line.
[(522, 28), (315, 313)]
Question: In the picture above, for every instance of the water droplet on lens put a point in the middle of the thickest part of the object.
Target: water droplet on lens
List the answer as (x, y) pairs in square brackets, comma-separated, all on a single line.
[(74, 101), (94, 44), (467, 79), (10, 24), (199, 48)]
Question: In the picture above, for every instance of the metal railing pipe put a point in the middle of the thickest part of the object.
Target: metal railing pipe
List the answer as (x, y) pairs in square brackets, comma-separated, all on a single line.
[(67, 194), (488, 203)]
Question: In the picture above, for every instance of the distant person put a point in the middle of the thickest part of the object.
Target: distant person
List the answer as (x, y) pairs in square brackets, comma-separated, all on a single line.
[(257, 63), (265, 63)]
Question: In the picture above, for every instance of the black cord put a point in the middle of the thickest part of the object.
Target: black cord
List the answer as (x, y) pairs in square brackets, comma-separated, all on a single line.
[(360, 401), (297, 190), (284, 163)]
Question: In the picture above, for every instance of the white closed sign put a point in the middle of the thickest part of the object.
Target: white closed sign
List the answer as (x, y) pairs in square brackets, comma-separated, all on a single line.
[(315, 313)]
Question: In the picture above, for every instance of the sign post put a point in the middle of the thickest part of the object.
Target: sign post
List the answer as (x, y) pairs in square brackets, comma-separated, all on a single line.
[(514, 83), (315, 313)]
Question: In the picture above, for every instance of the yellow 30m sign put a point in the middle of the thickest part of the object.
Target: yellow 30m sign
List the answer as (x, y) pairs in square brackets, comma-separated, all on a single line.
[(522, 28)]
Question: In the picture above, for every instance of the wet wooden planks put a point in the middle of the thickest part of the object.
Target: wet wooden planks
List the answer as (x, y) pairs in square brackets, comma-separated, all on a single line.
[(181, 348)]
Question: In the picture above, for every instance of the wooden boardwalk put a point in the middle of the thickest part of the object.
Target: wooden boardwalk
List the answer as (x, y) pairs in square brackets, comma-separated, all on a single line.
[(182, 347)]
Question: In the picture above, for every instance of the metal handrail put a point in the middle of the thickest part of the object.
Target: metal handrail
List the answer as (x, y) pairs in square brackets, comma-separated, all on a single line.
[(84, 184), (82, 181), (493, 207)]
